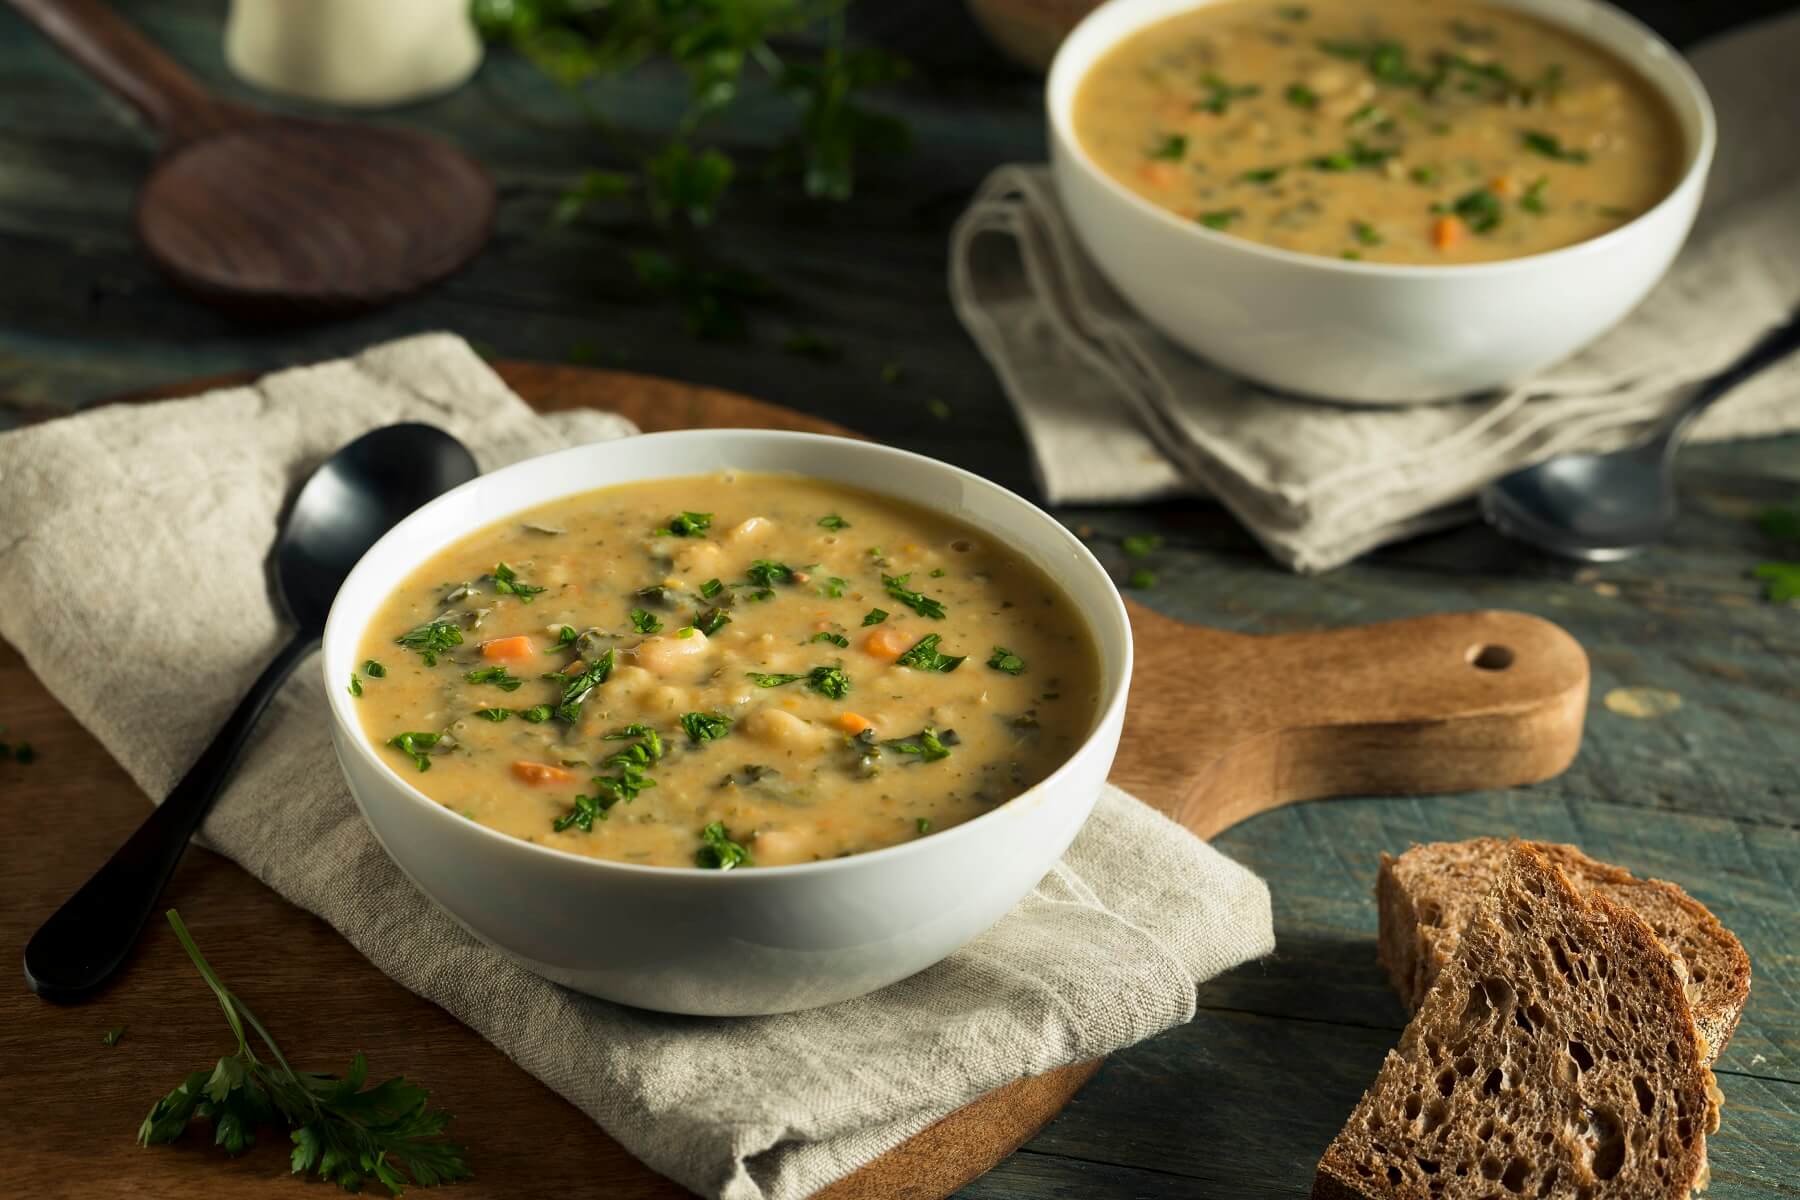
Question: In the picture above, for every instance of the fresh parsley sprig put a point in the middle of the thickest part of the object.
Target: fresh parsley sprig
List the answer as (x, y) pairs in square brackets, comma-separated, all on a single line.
[(718, 852), (341, 1131), (919, 602), (924, 656), (431, 639)]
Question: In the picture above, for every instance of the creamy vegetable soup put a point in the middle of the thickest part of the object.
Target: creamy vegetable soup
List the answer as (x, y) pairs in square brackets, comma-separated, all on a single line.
[(730, 670), (1403, 131)]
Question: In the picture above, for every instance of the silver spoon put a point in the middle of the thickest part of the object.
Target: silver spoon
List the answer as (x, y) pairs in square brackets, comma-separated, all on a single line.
[(1604, 507), (360, 493)]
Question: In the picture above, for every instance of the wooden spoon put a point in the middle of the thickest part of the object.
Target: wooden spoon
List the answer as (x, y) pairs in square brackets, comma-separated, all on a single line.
[(276, 217)]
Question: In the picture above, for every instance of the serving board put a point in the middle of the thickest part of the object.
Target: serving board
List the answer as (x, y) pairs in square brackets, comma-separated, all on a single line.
[(1221, 726)]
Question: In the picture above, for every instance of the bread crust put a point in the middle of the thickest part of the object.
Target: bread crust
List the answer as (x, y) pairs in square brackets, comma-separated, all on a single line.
[(1570, 968), (1423, 895)]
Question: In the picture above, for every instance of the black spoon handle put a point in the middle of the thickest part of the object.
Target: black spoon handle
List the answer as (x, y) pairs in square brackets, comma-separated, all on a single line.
[(80, 947)]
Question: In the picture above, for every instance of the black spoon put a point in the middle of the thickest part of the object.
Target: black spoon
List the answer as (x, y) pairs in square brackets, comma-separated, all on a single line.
[(360, 493)]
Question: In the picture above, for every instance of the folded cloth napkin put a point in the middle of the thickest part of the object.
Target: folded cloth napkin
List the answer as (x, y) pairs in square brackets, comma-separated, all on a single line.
[(152, 522), (1116, 413)]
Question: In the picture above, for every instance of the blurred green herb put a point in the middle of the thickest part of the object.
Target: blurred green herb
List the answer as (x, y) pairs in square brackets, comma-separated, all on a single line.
[(797, 47), (1781, 580)]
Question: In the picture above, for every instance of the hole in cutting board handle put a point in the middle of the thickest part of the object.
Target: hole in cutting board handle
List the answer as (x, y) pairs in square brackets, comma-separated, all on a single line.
[(1490, 657)]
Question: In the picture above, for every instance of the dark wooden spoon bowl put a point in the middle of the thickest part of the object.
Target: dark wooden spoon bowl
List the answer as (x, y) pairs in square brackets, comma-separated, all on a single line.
[(278, 218)]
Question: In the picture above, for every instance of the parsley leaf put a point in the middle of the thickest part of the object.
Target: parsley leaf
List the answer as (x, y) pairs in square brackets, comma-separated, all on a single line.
[(497, 676), (1143, 577), (1261, 175), (1550, 146), (766, 573), (417, 745), (1005, 660), (356, 688), (924, 656), (374, 670), (113, 1037), (507, 583), (1533, 199), (1781, 581), (689, 524), (1220, 94), (718, 852), (712, 620), (875, 616), (705, 727), (496, 715), (919, 602), (711, 588), (833, 521), (1301, 96), (1171, 147), (537, 714), (1220, 218), (1479, 209), (341, 1132), (578, 689), (836, 639), (769, 679), (431, 639), (928, 745), (829, 681), (645, 621), (833, 588), (1138, 545)]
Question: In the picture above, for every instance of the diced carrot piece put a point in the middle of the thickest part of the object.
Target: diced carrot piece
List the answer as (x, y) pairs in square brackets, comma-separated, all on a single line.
[(854, 723), (1156, 174), (887, 643), (508, 647), (1447, 232), (536, 773)]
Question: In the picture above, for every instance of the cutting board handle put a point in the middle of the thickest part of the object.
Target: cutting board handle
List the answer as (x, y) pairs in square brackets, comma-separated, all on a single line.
[(108, 48), (1447, 703)]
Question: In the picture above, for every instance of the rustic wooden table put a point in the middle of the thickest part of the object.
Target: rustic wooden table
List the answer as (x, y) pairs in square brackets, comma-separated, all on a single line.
[(1240, 1101)]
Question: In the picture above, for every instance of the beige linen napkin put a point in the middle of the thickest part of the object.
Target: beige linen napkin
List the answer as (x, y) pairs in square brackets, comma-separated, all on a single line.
[(132, 579), (1116, 413)]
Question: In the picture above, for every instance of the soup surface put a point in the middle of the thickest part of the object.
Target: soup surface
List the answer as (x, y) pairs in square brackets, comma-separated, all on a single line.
[(728, 670), (1403, 131)]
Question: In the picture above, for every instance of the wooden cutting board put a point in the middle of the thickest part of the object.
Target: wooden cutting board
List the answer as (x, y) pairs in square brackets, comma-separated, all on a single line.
[(1221, 726)]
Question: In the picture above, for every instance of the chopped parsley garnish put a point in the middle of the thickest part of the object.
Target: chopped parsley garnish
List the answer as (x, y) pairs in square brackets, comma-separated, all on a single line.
[(583, 813), (1359, 154), (711, 588), (417, 745), (537, 714), (924, 656), (919, 602), (112, 1037), (569, 709), (1261, 175), (923, 825), (355, 685), (836, 639), (1550, 146), (1301, 96), (374, 670), (614, 789), (769, 679), (1781, 581), (712, 620), (688, 524), (658, 594), (705, 727), (507, 583), (1220, 218), (718, 852), (1385, 60), (1138, 545), (1423, 175), (1005, 660), (647, 749), (928, 745), (833, 521), (1171, 147), (496, 715), (1143, 577), (875, 616), (431, 639), (645, 621), (566, 635), (1365, 233), (767, 573), (1480, 209), (833, 588), (1533, 199), (1220, 94), (497, 676), (829, 681)]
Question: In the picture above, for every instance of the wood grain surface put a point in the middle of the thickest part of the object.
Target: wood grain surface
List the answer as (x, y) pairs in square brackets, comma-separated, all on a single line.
[(275, 218)]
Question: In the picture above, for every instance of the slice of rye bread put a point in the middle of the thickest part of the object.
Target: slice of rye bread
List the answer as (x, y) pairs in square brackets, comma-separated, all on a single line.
[(1556, 1058), (1426, 894)]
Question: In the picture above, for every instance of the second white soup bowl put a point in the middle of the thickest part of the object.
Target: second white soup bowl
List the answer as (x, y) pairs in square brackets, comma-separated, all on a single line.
[(757, 940), (1373, 333)]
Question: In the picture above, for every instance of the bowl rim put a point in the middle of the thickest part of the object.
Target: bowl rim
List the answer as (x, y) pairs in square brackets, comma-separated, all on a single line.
[(1067, 145), (1115, 678)]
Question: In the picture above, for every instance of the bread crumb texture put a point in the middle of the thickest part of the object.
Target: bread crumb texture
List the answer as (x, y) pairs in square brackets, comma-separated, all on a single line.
[(1555, 1057)]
